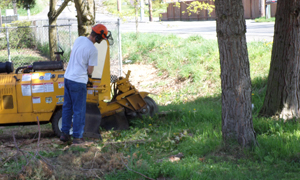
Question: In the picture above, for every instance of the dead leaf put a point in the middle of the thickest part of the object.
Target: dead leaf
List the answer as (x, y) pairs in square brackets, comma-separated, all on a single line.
[(202, 159)]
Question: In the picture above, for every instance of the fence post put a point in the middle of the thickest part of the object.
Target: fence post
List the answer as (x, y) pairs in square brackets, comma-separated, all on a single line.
[(43, 32), (120, 46), (7, 39), (70, 37)]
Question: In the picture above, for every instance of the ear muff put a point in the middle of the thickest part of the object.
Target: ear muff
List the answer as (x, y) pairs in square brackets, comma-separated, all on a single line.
[(100, 36)]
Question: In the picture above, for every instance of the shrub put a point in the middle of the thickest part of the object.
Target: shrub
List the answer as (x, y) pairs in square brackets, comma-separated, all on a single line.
[(19, 37)]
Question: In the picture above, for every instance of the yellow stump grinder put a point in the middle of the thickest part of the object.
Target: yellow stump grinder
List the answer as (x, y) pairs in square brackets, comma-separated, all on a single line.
[(35, 91)]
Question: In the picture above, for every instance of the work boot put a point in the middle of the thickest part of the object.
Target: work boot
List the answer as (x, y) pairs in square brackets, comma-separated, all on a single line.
[(81, 141), (64, 137)]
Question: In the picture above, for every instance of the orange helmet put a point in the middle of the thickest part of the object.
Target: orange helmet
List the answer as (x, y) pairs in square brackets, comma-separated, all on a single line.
[(102, 33), (100, 29)]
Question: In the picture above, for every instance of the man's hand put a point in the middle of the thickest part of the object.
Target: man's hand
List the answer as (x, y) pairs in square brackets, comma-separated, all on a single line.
[(90, 69)]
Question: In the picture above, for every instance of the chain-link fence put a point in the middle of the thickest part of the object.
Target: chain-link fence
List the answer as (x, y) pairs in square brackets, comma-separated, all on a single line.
[(24, 45)]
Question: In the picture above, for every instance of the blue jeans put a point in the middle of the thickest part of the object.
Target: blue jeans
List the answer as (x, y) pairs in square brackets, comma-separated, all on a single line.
[(74, 104)]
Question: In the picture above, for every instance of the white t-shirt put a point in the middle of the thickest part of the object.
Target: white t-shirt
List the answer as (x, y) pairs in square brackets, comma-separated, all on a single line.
[(83, 54)]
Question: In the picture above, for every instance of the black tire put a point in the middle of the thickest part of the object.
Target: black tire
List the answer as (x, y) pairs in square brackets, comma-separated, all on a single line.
[(151, 108), (55, 120)]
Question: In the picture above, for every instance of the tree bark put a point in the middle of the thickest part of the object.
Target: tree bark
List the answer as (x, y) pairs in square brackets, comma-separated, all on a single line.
[(15, 7), (150, 11), (136, 17), (85, 16), (52, 17), (235, 74), (0, 19), (262, 8), (282, 96), (119, 5)]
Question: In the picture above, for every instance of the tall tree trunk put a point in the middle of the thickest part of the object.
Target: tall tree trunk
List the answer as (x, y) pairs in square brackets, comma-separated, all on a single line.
[(85, 16), (235, 73), (0, 19), (52, 29), (150, 10), (136, 17), (119, 5), (52, 17), (15, 6), (282, 96), (262, 8)]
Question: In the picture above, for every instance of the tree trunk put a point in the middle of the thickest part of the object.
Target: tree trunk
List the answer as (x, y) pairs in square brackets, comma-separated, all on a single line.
[(150, 11), (52, 17), (85, 16), (0, 19), (119, 5), (15, 7), (136, 17), (235, 74), (262, 8), (282, 96)]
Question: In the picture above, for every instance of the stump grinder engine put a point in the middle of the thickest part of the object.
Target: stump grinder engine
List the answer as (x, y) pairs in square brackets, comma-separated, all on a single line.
[(37, 91)]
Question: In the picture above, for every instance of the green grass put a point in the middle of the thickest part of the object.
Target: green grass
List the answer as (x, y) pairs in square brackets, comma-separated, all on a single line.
[(192, 125), (264, 19), (39, 7)]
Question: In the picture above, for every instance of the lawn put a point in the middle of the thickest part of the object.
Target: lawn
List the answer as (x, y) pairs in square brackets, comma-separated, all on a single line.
[(184, 142)]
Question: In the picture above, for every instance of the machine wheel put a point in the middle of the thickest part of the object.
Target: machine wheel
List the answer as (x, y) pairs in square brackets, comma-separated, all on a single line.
[(57, 123), (150, 109)]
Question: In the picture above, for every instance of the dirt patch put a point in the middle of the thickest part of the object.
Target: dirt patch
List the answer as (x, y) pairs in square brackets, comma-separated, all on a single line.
[(147, 78)]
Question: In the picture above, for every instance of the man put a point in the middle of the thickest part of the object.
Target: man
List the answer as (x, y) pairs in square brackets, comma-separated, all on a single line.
[(84, 56)]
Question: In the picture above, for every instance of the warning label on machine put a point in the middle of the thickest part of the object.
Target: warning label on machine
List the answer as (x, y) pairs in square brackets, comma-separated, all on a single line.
[(42, 87), (60, 99), (47, 76), (35, 76), (26, 77), (61, 85), (36, 100), (38, 88), (49, 87), (26, 89)]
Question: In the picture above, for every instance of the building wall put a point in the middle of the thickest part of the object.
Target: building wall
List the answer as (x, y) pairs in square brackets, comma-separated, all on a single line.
[(251, 11)]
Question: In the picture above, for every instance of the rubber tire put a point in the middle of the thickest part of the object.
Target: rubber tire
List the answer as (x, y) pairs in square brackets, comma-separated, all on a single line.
[(152, 107), (55, 120)]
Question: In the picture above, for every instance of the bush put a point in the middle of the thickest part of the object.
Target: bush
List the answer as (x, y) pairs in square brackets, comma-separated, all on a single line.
[(20, 37)]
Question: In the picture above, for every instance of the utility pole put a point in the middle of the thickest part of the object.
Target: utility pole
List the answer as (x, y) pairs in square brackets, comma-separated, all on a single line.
[(119, 5), (142, 9), (150, 10)]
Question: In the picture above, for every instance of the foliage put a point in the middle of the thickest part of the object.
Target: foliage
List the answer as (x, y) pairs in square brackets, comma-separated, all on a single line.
[(26, 4), (5, 3), (196, 7), (38, 6), (21, 37), (264, 19)]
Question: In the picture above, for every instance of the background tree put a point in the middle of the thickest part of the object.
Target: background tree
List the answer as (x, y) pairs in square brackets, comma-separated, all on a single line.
[(150, 10), (283, 89), (85, 16), (235, 73), (52, 17)]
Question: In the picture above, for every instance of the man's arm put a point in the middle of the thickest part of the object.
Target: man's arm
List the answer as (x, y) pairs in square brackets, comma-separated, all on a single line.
[(90, 69)]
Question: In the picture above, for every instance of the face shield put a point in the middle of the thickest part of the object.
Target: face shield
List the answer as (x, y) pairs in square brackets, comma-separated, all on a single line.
[(110, 38)]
